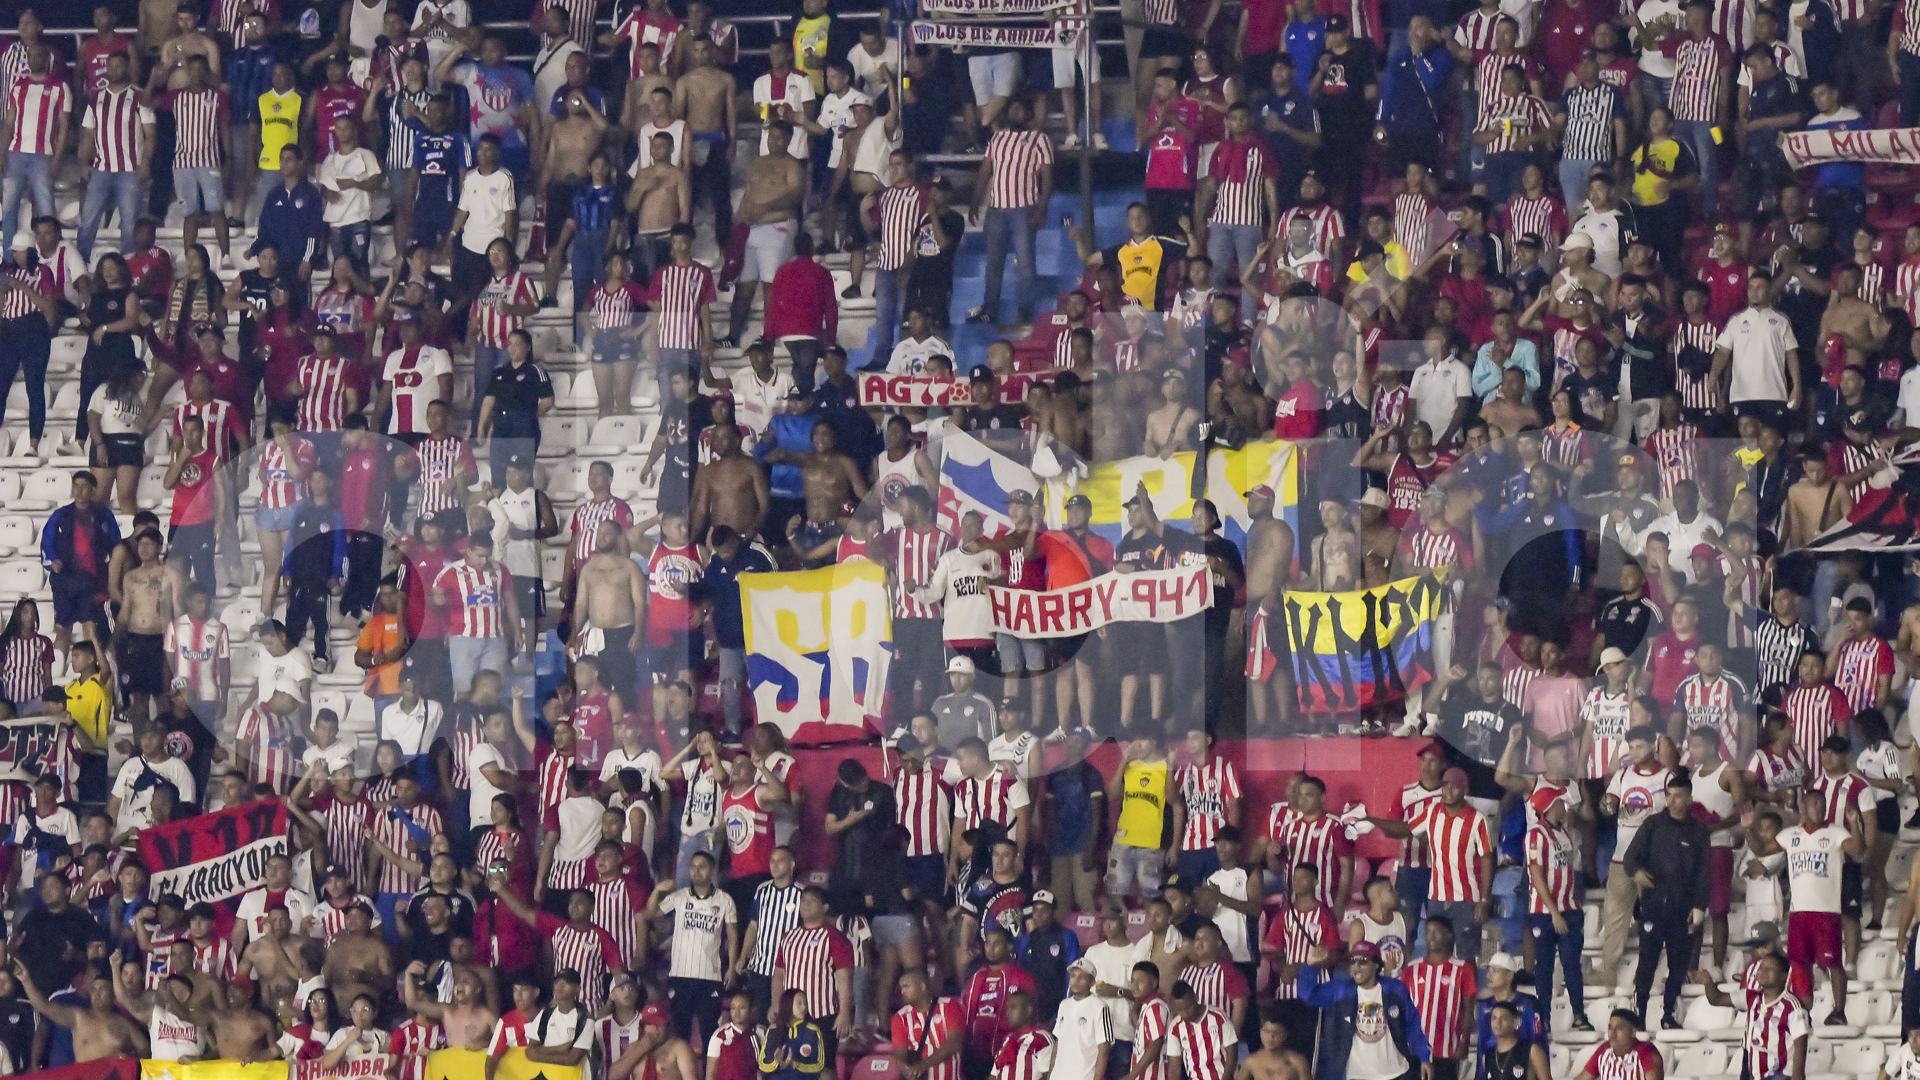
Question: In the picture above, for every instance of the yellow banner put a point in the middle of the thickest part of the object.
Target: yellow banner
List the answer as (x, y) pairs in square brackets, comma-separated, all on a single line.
[(441, 1065), (472, 1065), (212, 1070), (1352, 649), (815, 693), (1230, 475)]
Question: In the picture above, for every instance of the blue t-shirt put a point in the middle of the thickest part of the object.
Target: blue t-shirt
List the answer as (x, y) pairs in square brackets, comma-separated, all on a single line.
[(558, 106), (1841, 174), (439, 156), (1305, 41), (1072, 790), (594, 208)]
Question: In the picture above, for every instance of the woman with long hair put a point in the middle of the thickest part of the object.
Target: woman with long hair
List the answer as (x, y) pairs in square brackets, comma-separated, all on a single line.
[(793, 1045), (504, 304), (617, 308), (112, 317), (29, 313), (1665, 170), (1878, 763), (347, 305), (26, 659), (195, 299), (307, 1041), (504, 840), (1215, 91), (281, 337), (389, 764), (116, 424)]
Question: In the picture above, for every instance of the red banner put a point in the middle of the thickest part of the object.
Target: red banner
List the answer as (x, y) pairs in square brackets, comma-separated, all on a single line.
[(215, 856), (104, 1069), (886, 391)]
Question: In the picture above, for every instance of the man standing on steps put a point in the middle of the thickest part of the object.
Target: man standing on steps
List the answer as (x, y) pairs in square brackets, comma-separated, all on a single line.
[(116, 136), (1015, 183), (703, 97), (770, 205)]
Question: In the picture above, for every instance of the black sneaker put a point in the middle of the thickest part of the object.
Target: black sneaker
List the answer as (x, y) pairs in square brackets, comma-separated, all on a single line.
[(1669, 1024), (549, 302), (1581, 1023), (979, 315), (235, 223), (851, 292)]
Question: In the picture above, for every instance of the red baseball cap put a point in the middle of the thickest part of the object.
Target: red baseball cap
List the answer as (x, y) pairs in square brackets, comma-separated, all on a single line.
[(654, 1015)]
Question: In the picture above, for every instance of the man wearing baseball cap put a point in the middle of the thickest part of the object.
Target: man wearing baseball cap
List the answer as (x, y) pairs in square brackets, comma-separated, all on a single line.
[(1084, 1030), (1074, 555), (564, 1029), (1046, 950), (965, 713), (1343, 999)]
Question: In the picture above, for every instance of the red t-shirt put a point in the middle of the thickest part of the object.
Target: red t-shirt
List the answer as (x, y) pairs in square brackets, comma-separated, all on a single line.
[(330, 103), (365, 476), (1296, 413), (1265, 18), (1726, 290), (1171, 156), (1671, 660), (193, 492), (93, 58), (152, 271)]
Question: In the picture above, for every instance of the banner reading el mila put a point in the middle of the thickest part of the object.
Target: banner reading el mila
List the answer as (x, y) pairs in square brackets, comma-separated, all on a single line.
[(818, 694), (1354, 649)]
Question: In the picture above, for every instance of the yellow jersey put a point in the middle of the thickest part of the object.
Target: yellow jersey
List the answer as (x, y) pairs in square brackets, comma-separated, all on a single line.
[(91, 706), (812, 34), (279, 125), (1143, 805)]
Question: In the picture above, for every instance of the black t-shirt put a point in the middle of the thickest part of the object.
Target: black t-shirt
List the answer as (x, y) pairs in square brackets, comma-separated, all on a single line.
[(257, 290), (461, 922), (518, 391), (1148, 551), (16, 1029), (1475, 728), (1591, 393), (107, 306), (430, 948), (44, 940), (1626, 623), (1215, 546), (934, 267), (860, 845), (1345, 112), (925, 119), (1001, 417), (189, 740)]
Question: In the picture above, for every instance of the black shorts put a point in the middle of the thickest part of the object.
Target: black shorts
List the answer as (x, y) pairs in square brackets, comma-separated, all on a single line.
[(142, 662), (1140, 648), (851, 218), (530, 592), (1886, 814), (432, 221), (1066, 648), (682, 652), (1851, 888), (559, 205), (77, 599), (125, 451), (1165, 42)]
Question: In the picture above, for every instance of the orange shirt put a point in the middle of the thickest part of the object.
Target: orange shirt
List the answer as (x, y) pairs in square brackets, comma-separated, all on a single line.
[(381, 633)]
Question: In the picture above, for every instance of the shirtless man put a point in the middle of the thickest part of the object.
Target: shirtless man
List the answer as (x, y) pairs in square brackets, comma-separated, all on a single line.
[(242, 1032), (1850, 318), (1066, 415), (148, 594), (637, 108), (828, 479), (170, 73), (1234, 403), (571, 143), (1273, 1061), (206, 989), (274, 958), (729, 490), (612, 598), (1167, 426), (467, 1020), (358, 961), (703, 97), (99, 1031), (661, 196), (1270, 549), (175, 1031), (1577, 273), (776, 182), (1510, 410), (1814, 502), (668, 1055)]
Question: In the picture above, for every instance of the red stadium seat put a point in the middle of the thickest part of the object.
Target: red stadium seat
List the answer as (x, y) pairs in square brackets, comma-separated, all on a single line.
[(1085, 926), (874, 1067)]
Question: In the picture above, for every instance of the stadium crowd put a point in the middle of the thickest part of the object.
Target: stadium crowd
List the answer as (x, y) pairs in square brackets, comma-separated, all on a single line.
[(1531, 290)]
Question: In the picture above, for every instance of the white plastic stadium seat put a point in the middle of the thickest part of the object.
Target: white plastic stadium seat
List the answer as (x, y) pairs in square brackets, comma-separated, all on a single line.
[(553, 565), (45, 489), (21, 577), (1883, 1014), (329, 699), (559, 436), (583, 396), (10, 490), (18, 535), (1879, 960), (1820, 1058), (1704, 1017), (615, 435), (153, 492), (68, 349), (1685, 1033), (1702, 1060), (1858, 1057), (66, 402)]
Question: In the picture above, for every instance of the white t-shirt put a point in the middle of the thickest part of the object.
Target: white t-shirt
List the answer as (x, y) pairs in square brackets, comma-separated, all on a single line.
[(836, 115), (60, 823), (1881, 761), (646, 761), (273, 674), (337, 756), (1523, 12), (354, 204), (643, 154), (368, 1044), (1641, 796), (414, 730), (1683, 537), (756, 403), (909, 357), (1374, 1055), (699, 932), (1902, 1064), (959, 582), (866, 66), (550, 71), (136, 799), (1113, 965), (795, 94), (1015, 754), (703, 798), (1233, 925), (1080, 1028), (1759, 342), (487, 200), (172, 1037), (1392, 938), (1652, 60), (117, 416), (1908, 403), (1436, 390), (1814, 860), (413, 394), (579, 817), (480, 803), (564, 1029), (252, 910)]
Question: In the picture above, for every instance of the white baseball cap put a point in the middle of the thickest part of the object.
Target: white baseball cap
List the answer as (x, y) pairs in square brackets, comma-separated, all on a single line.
[(960, 664)]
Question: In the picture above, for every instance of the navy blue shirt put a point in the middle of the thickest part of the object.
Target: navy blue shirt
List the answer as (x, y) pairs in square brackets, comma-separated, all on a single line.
[(249, 74), (558, 106), (291, 219), (594, 208), (1407, 92), (721, 586), (1768, 98), (439, 156), (1072, 790), (1292, 109)]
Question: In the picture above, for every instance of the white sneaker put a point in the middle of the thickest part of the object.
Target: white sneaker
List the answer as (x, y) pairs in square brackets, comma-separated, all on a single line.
[(1071, 142), (1099, 141)]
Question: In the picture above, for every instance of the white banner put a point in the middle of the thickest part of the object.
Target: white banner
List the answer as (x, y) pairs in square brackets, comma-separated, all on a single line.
[(818, 646), (992, 7), (957, 35), (1156, 596), (1895, 145)]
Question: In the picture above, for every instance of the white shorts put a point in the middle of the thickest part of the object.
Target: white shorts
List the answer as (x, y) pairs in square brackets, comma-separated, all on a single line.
[(1065, 60), (994, 76), (768, 248)]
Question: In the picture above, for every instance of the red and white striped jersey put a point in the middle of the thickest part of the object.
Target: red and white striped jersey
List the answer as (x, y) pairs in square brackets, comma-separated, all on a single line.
[(1714, 703), (1873, 283), (993, 797), (279, 485), (589, 951), (159, 963), (1861, 663), (216, 958), (923, 806), (19, 302), (641, 26), (615, 306), (1240, 170), (1320, 841), (265, 736), (391, 830), (612, 1038), (23, 667), (615, 903), (411, 1042), (1024, 1055), (552, 786), (199, 116), (39, 108), (587, 518), (900, 210), (1775, 772), (1324, 225), (1427, 549), (1486, 75), (1018, 158), (476, 598), (345, 822), (1516, 116), (1557, 853), (1842, 793), (324, 405), (915, 553), (679, 296), (1639, 1062), (1292, 933), (1543, 215), (1205, 789), (1458, 838), (1906, 276), (1513, 685), (1607, 716), (489, 311), (1475, 31), (196, 648), (1153, 1018), (442, 459), (492, 846), (1389, 411), (928, 1029), (810, 955), (330, 918), (1816, 712), (1412, 225), (1201, 1045), (1217, 985), (1701, 68), (1413, 850), (1676, 449), (1772, 1029), (1437, 991), (1732, 22), (220, 420)]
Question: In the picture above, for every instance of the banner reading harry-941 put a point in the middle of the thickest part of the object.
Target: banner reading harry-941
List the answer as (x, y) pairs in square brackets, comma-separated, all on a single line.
[(1370, 646), (816, 693)]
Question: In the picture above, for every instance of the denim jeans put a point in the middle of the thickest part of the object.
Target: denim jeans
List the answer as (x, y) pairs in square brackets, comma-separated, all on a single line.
[(25, 345), (1546, 944), (1511, 889), (24, 169), (1819, 606), (353, 241), (805, 353), (1231, 245), (122, 190), (1002, 225), (263, 183), (888, 288), (485, 359), (1909, 89), (1699, 135), (587, 257), (1573, 182)]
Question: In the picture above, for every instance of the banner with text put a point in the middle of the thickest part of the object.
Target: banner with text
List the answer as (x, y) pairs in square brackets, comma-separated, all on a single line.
[(955, 35), (819, 643), (31, 747), (1157, 596), (879, 389), (1899, 146), (1231, 474), (1353, 649), (215, 856), (992, 7)]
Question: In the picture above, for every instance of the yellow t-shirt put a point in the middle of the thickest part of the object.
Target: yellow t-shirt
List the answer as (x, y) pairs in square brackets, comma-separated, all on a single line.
[(91, 707), (812, 34), (1143, 805), (279, 125), (1397, 263), (1651, 164)]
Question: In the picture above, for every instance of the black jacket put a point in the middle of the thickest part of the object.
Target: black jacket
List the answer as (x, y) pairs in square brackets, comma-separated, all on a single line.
[(1676, 853)]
